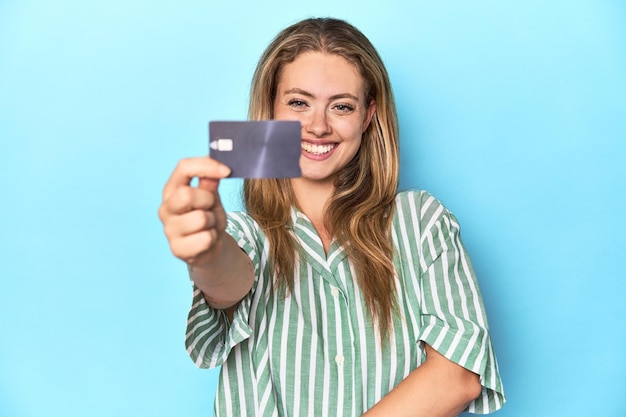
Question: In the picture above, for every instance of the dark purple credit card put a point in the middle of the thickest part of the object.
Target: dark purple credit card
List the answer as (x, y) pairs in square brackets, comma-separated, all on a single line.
[(257, 149)]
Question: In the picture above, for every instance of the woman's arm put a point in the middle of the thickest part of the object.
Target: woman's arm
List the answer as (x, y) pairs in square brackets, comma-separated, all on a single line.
[(226, 280), (194, 222), (437, 388)]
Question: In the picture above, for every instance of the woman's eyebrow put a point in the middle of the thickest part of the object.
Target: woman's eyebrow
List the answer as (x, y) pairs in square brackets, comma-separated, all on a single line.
[(308, 94)]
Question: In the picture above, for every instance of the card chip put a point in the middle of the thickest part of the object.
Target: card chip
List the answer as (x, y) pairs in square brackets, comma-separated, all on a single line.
[(223, 145)]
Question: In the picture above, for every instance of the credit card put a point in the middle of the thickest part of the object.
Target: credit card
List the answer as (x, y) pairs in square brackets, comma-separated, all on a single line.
[(257, 149)]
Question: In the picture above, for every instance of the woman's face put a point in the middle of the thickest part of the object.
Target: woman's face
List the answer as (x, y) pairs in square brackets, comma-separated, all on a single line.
[(326, 94)]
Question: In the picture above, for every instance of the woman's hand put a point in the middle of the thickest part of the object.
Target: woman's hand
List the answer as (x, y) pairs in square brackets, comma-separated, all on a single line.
[(193, 217)]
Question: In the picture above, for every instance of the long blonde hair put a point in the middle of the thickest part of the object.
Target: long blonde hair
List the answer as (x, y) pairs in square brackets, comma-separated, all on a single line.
[(360, 211)]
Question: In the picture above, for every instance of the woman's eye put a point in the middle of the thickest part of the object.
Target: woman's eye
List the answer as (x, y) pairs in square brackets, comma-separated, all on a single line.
[(297, 103), (344, 108)]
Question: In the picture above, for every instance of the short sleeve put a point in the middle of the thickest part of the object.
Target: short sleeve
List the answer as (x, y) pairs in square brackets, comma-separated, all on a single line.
[(210, 335), (453, 319)]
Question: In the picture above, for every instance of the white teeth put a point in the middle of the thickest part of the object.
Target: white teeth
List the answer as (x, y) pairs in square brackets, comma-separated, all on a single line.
[(317, 149)]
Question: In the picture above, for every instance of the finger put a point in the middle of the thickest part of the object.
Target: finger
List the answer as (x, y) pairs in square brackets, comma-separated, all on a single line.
[(189, 223), (189, 168), (188, 248), (187, 198), (208, 184)]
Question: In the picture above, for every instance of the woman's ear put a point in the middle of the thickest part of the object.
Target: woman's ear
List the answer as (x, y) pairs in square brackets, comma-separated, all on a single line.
[(371, 109)]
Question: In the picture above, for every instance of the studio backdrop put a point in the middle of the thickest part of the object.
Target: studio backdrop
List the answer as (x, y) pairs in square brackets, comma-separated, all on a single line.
[(511, 113)]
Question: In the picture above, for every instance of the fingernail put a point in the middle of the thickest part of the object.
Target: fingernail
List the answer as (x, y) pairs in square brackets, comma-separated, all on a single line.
[(224, 170)]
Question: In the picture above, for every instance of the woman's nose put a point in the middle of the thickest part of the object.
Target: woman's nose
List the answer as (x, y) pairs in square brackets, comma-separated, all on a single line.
[(318, 123)]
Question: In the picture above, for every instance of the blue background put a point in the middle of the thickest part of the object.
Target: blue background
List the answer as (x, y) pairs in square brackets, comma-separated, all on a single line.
[(512, 113)]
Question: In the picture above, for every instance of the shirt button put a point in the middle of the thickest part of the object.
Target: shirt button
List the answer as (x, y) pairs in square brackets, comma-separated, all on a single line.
[(334, 292), (339, 359)]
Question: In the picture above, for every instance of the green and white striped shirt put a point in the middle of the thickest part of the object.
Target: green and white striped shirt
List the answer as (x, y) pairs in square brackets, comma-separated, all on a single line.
[(316, 352)]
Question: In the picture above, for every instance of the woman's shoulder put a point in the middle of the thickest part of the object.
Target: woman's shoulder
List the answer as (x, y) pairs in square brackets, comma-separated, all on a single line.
[(418, 205), (239, 216), (416, 198), (241, 222), (411, 195)]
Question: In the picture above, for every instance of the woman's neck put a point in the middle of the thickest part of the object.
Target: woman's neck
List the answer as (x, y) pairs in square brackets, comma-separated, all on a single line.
[(312, 199), (312, 196)]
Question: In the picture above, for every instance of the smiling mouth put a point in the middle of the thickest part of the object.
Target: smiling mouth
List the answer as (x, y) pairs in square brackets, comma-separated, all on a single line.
[(318, 149)]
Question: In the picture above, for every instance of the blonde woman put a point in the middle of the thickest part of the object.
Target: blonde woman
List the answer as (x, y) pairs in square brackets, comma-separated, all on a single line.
[(333, 294)]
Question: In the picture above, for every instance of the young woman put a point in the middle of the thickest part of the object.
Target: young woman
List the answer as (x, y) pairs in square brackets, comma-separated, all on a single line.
[(333, 295)]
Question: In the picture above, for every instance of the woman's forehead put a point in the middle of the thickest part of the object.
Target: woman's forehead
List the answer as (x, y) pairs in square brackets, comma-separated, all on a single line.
[(321, 74)]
